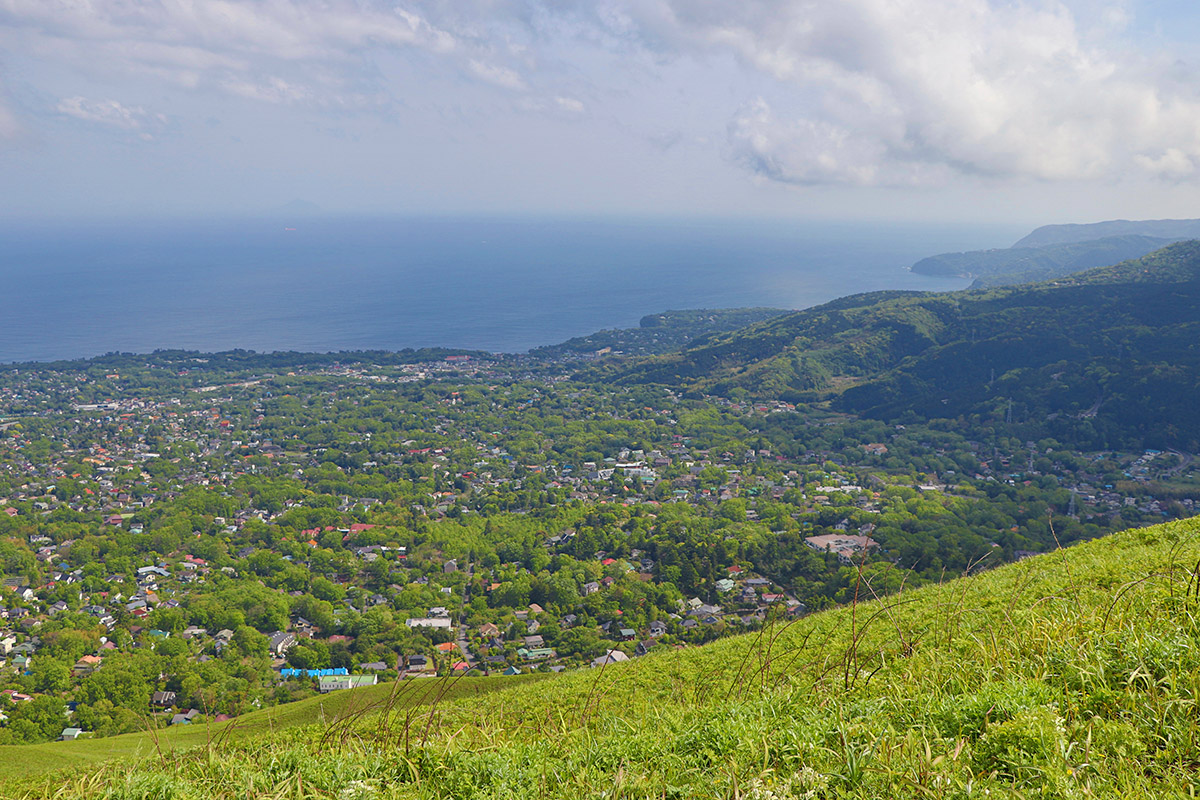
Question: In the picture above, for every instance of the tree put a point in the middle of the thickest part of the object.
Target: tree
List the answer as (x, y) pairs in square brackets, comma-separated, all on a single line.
[(250, 642), (50, 675), (38, 720), (325, 589)]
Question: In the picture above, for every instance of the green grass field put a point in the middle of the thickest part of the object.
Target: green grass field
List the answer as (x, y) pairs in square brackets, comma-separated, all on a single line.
[(25, 761), (1072, 675)]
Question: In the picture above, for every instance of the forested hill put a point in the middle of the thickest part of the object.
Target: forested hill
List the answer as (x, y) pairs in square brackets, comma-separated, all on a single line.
[(659, 333), (1065, 234), (1029, 264), (1110, 353), (1052, 251)]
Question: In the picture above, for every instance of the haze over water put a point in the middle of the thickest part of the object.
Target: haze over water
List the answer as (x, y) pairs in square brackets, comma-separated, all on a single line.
[(322, 284)]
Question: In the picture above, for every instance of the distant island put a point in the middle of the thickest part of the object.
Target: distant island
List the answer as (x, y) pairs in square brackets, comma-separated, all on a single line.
[(1052, 251), (1176, 229)]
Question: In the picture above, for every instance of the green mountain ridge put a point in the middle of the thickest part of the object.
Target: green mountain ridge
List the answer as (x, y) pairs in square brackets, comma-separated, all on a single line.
[(1075, 232), (1110, 352), (659, 333), (1030, 264)]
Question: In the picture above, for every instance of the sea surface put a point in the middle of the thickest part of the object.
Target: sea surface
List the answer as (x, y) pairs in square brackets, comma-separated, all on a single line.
[(72, 290)]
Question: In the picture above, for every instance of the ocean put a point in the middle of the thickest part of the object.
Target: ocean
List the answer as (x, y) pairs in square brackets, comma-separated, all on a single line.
[(73, 290)]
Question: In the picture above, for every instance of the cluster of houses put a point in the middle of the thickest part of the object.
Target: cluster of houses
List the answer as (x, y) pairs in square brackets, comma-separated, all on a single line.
[(673, 471)]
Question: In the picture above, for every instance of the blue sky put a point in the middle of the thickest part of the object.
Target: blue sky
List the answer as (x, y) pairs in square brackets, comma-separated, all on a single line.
[(948, 110)]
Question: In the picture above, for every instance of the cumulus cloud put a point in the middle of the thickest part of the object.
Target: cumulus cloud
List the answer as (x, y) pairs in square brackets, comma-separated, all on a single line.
[(1173, 163), (904, 91), (860, 92), (803, 151)]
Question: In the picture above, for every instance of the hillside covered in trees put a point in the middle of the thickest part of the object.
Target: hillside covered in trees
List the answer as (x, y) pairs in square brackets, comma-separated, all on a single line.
[(1107, 355)]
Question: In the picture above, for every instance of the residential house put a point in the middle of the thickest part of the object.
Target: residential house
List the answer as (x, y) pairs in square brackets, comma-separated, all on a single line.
[(185, 718), (847, 546), (430, 622), (281, 642), (536, 653), (331, 683), (85, 666), (610, 657), (419, 663)]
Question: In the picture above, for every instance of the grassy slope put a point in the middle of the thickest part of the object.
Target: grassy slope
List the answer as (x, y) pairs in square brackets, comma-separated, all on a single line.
[(1075, 674), (19, 761)]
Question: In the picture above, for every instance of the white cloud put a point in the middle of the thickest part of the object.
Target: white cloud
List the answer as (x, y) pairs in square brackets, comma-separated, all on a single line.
[(271, 90), (902, 91), (231, 44), (803, 151), (496, 75), (283, 29), (111, 113), (1173, 163), (569, 104), (856, 92)]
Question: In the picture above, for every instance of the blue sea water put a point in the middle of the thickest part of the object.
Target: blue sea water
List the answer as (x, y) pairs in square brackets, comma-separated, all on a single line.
[(504, 285)]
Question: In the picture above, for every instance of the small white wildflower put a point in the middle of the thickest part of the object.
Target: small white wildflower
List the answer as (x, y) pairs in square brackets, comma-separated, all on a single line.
[(359, 790), (811, 783), (807, 784)]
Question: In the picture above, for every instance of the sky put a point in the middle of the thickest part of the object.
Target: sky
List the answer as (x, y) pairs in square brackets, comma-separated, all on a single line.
[(931, 110)]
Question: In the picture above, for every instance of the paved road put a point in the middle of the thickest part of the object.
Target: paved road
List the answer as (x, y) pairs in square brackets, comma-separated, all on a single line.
[(463, 644), (1185, 459)]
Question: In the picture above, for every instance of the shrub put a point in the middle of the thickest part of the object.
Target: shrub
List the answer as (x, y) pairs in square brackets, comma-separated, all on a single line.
[(1029, 749)]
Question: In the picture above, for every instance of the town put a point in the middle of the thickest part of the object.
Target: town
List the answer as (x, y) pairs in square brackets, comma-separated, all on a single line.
[(186, 538)]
